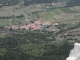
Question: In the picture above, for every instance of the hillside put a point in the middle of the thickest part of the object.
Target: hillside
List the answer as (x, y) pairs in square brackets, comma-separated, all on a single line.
[(58, 23), (33, 46)]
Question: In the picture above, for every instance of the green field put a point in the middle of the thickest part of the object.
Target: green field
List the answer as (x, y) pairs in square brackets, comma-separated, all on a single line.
[(68, 10), (4, 22), (20, 21), (48, 15)]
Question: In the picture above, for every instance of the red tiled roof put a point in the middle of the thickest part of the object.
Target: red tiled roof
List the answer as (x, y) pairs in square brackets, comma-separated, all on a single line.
[(14, 27), (56, 24), (33, 26)]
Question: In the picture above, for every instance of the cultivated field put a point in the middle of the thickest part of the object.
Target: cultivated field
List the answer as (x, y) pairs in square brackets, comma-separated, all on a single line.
[(62, 15)]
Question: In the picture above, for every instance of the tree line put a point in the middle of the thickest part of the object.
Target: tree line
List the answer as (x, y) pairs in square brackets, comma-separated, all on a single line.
[(69, 2), (28, 2), (9, 2), (9, 17)]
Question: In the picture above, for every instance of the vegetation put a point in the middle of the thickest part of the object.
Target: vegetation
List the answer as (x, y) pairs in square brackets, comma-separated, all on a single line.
[(74, 3), (67, 10), (28, 2), (38, 45), (33, 46), (69, 2), (9, 2), (20, 21)]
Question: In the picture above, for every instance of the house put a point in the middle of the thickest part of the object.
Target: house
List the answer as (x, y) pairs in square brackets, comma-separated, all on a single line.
[(24, 27), (45, 24), (38, 22), (14, 27), (55, 24), (32, 26), (6, 27)]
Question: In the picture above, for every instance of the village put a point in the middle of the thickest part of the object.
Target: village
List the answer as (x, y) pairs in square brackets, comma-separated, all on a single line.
[(34, 25)]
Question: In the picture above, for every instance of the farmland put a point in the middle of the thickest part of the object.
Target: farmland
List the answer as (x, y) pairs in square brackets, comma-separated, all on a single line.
[(53, 15)]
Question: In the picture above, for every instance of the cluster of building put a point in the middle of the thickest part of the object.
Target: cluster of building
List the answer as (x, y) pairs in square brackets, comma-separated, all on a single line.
[(34, 25)]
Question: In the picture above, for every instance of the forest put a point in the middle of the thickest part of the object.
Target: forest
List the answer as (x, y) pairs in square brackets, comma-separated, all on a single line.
[(9, 2), (33, 46)]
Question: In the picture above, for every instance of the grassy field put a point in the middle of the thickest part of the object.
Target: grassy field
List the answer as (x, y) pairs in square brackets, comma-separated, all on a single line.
[(4, 22), (68, 10), (48, 15), (59, 14), (20, 21)]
